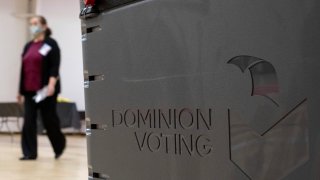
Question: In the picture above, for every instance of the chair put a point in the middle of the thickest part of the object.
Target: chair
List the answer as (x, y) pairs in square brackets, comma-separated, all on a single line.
[(10, 112)]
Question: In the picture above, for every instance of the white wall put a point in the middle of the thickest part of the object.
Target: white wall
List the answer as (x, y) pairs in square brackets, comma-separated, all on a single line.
[(62, 16), (12, 39)]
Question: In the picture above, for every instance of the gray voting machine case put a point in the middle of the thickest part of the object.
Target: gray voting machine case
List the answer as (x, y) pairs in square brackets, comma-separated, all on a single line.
[(203, 89)]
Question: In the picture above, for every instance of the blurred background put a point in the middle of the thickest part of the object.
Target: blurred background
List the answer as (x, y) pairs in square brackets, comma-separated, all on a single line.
[(63, 19)]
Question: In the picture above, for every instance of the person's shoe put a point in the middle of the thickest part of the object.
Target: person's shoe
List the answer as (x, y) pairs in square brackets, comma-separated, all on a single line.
[(58, 155), (27, 158)]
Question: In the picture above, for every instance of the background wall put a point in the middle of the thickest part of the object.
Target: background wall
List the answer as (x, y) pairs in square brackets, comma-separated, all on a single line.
[(63, 19), (12, 38)]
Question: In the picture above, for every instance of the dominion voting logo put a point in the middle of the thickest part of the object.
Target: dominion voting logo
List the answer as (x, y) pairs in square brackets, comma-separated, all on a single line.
[(280, 148), (273, 152)]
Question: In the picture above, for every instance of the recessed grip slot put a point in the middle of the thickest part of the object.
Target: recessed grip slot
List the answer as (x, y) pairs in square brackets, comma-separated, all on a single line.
[(94, 29), (100, 176), (96, 78), (99, 126)]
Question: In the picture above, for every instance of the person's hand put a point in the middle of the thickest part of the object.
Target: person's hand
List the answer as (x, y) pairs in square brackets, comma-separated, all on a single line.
[(20, 99), (52, 86), (51, 90)]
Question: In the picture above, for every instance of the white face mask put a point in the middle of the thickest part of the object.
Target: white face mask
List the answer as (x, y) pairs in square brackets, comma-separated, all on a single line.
[(35, 30)]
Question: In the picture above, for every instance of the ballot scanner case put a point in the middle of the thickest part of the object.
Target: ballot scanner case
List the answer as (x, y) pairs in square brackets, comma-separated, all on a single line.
[(202, 89)]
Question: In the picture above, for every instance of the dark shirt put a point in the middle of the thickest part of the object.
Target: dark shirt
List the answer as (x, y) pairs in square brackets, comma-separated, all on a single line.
[(49, 66), (32, 67)]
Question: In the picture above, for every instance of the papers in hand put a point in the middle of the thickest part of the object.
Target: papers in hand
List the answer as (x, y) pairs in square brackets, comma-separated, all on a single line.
[(41, 94)]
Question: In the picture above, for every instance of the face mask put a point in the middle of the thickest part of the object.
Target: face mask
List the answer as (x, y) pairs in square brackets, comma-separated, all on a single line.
[(34, 30)]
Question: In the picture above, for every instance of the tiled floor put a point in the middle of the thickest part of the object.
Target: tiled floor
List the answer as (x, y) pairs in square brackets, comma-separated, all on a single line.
[(71, 166)]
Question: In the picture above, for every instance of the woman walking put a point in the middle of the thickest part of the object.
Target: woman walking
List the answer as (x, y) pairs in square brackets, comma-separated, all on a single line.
[(40, 68)]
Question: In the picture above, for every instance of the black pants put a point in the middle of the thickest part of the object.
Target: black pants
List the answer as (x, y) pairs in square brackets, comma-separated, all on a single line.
[(51, 123)]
